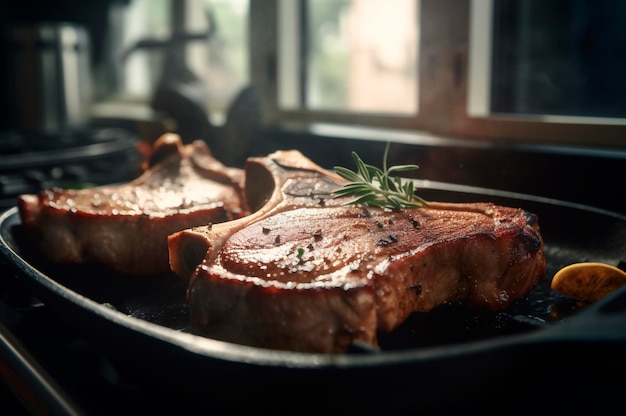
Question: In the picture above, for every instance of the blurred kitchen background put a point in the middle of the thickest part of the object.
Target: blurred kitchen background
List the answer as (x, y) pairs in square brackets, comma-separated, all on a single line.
[(518, 95)]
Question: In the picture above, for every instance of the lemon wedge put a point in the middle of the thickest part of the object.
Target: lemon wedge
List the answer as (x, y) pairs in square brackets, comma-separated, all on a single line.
[(589, 281)]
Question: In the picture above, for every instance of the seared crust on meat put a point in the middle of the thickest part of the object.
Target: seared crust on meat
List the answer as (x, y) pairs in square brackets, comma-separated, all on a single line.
[(125, 227), (305, 273)]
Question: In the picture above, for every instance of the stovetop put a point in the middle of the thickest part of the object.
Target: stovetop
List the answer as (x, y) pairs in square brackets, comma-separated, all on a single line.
[(46, 367), (31, 160)]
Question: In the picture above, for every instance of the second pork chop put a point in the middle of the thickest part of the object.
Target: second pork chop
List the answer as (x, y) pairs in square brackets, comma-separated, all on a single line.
[(125, 227)]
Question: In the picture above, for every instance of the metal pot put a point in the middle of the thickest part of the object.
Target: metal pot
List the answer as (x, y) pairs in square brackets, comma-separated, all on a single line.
[(49, 76)]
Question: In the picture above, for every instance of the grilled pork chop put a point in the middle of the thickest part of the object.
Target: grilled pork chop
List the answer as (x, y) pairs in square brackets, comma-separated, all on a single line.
[(125, 227), (305, 273)]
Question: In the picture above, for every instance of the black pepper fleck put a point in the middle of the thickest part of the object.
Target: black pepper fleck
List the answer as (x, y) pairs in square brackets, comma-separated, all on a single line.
[(417, 288), (391, 238)]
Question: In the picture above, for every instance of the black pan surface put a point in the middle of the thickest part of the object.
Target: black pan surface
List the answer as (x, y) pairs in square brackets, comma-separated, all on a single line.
[(448, 351)]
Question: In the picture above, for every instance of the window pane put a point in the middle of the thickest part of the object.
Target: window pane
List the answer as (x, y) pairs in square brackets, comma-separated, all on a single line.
[(222, 62), (560, 57), (142, 20), (362, 55)]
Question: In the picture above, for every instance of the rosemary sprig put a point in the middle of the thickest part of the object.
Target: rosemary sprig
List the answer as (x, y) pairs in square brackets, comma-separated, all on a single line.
[(376, 187)]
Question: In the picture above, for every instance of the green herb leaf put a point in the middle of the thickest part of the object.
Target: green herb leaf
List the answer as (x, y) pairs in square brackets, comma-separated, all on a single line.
[(376, 187)]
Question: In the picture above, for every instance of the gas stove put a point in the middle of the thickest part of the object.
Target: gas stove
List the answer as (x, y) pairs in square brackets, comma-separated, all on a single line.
[(31, 161), (49, 363)]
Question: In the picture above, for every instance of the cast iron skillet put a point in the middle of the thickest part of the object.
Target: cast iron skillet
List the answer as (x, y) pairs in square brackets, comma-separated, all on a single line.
[(448, 352)]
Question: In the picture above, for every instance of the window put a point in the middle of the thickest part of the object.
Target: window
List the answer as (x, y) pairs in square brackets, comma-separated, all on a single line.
[(145, 25), (328, 52), (222, 63), (467, 67), (200, 45), (532, 75), (559, 58), (496, 70), (340, 59)]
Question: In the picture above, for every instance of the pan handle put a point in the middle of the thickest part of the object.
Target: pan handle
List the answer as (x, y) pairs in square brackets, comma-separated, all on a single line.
[(601, 321)]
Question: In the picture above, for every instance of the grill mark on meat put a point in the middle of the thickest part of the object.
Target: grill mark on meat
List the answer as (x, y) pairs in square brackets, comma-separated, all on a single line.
[(367, 269)]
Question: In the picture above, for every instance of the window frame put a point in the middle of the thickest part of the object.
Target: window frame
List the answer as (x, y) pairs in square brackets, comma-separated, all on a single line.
[(452, 93)]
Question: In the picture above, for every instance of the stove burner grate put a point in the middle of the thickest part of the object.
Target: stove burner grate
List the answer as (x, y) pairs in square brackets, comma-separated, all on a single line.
[(33, 161)]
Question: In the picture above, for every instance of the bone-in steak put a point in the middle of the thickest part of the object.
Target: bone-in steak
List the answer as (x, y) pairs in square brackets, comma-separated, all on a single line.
[(125, 226), (305, 273)]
